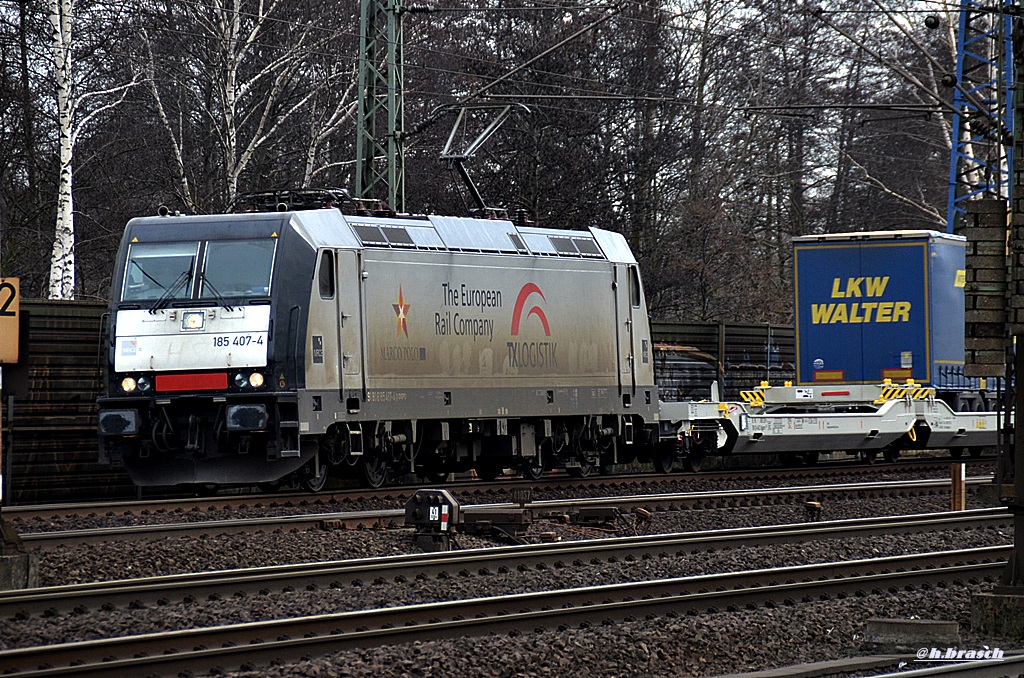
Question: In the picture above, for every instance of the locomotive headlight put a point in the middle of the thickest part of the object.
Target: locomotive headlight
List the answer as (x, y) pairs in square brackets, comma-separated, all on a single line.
[(144, 384), (254, 380), (128, 384)]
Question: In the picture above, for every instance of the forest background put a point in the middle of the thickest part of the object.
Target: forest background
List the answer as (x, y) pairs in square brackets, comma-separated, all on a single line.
[(708, 133)]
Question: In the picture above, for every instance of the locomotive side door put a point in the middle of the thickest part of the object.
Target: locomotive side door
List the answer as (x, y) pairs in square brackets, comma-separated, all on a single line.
[(350, 314), (624, 329)]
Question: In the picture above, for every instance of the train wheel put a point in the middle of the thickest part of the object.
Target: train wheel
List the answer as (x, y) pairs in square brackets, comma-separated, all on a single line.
[(868, 456), (434, 474), (701, 444), (694, 460), (789, 459), (314, 475), (664, 457), (533, 468), (811, 458), (956, 452), (205, 489), (488, 471), (374, 470), (891, 454), (975, 452), (269, 488), (584, 470)]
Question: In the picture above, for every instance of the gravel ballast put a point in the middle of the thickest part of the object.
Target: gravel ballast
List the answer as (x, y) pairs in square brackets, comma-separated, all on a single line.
[(698, 646)]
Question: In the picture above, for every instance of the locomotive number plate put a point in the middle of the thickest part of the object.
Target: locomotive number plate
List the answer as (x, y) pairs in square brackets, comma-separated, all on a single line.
[(227, 340)]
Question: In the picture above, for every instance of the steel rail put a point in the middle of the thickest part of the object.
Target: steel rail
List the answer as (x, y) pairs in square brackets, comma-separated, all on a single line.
[(165, 589), (1010, 665), (403, 492), (251, 643), (396, 517)]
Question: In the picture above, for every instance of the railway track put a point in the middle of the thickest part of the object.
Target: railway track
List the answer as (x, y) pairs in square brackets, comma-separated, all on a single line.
[(248, 645), (404, 492), (165, 590), (396, 517), (1007, 667)]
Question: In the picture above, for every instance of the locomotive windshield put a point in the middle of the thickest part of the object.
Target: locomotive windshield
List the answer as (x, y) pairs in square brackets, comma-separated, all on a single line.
[(159, 270), (168, 271), (237, 268)]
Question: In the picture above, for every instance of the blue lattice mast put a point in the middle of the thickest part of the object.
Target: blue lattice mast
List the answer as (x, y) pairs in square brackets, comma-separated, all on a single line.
[(981, 161)]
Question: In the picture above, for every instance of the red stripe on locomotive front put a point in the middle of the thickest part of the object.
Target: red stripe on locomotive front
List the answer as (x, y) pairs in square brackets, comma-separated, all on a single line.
[(192, 382)]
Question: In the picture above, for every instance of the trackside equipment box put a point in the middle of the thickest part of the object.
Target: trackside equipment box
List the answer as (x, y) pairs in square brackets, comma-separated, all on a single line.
[(877, 305)]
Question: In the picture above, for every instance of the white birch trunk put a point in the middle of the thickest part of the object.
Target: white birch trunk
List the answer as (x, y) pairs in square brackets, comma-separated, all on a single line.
[(231, 27), (62, 261)]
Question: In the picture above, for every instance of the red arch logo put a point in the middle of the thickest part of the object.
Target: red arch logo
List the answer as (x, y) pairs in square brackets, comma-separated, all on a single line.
[(517, 313)]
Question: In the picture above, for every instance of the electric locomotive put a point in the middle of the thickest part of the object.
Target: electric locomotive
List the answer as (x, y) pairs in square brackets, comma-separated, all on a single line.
[(260, 347)]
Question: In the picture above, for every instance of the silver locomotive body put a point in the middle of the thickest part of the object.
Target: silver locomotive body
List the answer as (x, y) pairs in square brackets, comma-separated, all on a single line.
[(248, 348)]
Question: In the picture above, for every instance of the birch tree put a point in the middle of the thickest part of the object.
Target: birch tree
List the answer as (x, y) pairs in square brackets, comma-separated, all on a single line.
[(75, 112), (246, 74)]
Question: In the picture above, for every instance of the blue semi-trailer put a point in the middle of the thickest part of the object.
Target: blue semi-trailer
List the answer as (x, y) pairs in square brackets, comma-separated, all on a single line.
[(883, 305)]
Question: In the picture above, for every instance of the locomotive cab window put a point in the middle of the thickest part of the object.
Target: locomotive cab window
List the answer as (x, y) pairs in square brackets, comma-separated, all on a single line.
[(327, 275), (237, 268), (159, 270), (168, 270), (634, 286)]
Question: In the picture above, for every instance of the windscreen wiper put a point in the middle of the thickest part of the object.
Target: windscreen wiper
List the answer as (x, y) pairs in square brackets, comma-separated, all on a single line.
[(172, 290), (143, 272), (216, 295)]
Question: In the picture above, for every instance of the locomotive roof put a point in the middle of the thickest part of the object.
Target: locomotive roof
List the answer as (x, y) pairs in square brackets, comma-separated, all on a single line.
[(330, 228)]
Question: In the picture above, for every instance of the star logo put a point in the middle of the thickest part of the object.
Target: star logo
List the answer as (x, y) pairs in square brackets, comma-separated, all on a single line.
[(402, 313)]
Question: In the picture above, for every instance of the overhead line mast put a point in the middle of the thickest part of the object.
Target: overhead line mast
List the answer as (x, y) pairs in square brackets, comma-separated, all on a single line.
[(380, 127), (380, 124), (981, 161)]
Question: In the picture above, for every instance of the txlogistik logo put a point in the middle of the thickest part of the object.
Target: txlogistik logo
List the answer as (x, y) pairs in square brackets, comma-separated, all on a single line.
[(531, 354)]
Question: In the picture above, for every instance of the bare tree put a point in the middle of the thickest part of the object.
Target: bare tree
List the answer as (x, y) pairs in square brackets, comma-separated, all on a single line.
[(248, 73), (75, 112)]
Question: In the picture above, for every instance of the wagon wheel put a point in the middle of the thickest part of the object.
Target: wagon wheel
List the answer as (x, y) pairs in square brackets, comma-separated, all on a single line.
[(694, 460), (584, 470), (435, 474), (789, 459), (374, 470), (436, 467), (664, 457), (205, 489), (700, 442), (314, 474), (488, 470), (533, 468)]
